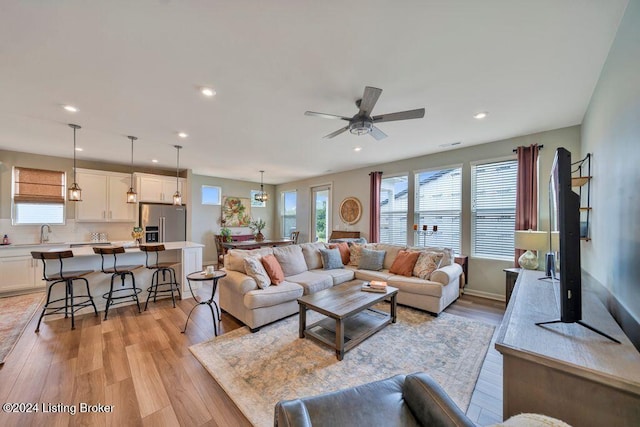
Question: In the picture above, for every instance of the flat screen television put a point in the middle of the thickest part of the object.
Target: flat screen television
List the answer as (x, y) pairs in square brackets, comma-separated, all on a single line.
[(564, 217)]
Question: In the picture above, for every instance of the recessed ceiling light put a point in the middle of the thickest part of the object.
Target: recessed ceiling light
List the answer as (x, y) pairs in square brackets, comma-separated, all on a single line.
[(182, 134), (154, 161), (207, 91), (480, 115), (450, 144), (79, 149), (70, 108), (357, 148)]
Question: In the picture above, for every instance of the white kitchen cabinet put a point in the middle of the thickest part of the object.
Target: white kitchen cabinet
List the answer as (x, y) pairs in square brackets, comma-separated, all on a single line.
[(104, 197), (19, 272), (158, 188)]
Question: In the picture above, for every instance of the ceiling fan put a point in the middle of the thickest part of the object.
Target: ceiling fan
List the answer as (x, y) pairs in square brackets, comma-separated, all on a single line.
[(363, 122)]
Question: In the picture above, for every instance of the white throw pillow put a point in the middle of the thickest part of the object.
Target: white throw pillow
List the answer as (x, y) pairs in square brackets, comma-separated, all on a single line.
[(256, 271)]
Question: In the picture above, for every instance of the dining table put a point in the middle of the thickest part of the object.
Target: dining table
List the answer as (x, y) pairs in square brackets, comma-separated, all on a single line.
[(254, 244)]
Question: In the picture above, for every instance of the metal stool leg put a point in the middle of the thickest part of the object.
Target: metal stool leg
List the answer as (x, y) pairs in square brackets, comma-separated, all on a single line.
[(109, 298), (86, 282), (133, 287), (44, 309), (73, 317)]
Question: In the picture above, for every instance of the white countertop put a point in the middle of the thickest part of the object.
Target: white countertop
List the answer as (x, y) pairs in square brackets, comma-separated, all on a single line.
[(88, 249)]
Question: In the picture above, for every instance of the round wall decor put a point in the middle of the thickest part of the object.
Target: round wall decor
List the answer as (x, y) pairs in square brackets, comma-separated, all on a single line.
[(350, 210)]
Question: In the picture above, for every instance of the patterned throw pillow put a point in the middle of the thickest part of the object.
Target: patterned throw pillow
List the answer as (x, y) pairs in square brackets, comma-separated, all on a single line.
[(331, 259), (404, 263), (427, 263), (273, 269), (255, 270), (371, 260), (343, 247)]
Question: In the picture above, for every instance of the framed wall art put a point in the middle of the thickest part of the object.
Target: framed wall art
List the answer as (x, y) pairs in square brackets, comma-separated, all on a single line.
[(236, 211)]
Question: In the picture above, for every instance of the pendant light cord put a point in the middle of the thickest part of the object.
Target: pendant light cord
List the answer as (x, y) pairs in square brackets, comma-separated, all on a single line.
[(74, 154)]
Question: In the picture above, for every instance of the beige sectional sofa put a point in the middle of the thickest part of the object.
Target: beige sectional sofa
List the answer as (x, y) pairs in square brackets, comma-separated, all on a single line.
[(302, 265)]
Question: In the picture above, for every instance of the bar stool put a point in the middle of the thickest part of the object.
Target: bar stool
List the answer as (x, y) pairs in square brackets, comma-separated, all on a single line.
[(66, 277), (163, 268), (122, 272)]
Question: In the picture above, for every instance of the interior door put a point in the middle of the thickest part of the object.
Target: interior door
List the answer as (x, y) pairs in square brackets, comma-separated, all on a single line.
[(320, 213)]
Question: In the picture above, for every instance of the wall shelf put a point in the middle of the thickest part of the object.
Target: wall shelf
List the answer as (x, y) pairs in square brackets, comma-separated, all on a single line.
[(582, 180)]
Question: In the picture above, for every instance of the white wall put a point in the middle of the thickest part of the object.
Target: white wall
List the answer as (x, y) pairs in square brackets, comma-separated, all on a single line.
[(611, 131), (485, 276)]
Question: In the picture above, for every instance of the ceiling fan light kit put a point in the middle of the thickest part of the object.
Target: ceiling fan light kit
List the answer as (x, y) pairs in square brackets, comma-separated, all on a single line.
[(363, 123)]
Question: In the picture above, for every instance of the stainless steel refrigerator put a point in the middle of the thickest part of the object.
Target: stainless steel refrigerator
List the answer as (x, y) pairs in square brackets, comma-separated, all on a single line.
[(163, 223)]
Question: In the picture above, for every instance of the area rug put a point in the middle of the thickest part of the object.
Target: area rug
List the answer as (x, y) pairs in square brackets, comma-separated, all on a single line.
[(257, 370), (15, 313)]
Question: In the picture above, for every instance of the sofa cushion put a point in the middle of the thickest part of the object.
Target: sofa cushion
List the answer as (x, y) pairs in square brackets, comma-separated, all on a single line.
[(253, 267), (339, 275), (373, 275), (312, 282), (273, 268), (291, 259), (331, 259), (371, 260), (343, 247), (311, 253), (273, 295), (447, 253), (427, 263), (416, 285), (234, 260), (355, 252), (404, 263), (391, 252)]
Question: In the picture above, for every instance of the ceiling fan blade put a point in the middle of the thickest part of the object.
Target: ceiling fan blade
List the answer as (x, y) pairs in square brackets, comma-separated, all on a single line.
[(369, 99), (402, 115), (326, 116), (336, 133), (377, 133)]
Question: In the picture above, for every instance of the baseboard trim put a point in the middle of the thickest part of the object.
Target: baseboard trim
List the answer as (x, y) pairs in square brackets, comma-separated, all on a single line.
[(488, 295)]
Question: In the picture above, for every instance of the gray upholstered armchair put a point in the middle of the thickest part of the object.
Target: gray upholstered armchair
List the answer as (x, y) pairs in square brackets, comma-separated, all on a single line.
[(402, 400)]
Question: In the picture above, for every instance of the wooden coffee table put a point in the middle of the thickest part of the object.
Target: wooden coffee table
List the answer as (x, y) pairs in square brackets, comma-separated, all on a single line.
[(350, 318)]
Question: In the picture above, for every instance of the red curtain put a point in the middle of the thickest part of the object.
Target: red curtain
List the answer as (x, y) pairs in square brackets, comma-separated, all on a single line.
[(527, 191), (374, 206)]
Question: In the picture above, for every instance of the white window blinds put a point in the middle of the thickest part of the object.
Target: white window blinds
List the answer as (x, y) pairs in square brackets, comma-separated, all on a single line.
[(393, 210), (493, 208), (439, 202)]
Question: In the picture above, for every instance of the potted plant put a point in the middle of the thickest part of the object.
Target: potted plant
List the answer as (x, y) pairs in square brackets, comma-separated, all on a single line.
[(226, 234), (256, 227)]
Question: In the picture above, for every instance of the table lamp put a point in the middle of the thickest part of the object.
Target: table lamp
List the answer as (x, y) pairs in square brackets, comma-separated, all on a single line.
[(531, 241)]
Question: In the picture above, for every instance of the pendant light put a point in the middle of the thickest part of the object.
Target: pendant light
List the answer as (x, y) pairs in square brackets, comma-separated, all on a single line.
[(177, 197), (74, 192), (132, 197), (261, 196)]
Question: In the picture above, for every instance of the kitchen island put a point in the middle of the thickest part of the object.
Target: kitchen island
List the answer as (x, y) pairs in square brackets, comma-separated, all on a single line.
[(187, 257)]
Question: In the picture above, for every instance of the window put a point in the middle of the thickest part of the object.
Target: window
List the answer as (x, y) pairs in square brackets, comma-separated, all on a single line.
[(493, 209), (288, 212), (320, 206), (38, 196), (211, 195), (439, 202), (393, 210)]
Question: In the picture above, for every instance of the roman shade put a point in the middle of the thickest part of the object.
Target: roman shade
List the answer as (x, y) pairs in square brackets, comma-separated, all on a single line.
[(38, 186)]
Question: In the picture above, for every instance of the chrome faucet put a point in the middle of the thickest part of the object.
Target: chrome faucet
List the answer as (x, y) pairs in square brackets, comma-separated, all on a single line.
[(44, 237)]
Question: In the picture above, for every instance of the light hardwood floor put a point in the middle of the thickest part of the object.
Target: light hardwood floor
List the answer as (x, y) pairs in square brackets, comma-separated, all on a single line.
[(141, 364)]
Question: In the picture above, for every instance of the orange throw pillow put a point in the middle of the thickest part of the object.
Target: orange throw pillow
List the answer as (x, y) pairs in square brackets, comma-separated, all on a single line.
[(404, 262), (345, 254), (273, 268)]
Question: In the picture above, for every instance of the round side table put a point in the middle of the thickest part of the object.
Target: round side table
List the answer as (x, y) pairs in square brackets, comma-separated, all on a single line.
[(202, 276)]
